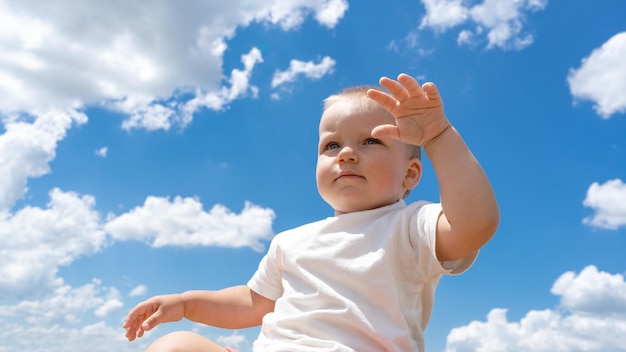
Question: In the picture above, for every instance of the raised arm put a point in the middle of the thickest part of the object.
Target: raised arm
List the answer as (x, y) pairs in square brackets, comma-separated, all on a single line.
[(231, 308), (470, 211)]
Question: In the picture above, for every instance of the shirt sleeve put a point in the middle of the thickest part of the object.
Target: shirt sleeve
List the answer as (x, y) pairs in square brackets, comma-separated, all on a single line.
[(427, 218), (267, 280)]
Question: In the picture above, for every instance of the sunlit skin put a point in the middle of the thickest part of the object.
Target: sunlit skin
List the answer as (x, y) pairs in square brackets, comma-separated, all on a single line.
[(356, 171)]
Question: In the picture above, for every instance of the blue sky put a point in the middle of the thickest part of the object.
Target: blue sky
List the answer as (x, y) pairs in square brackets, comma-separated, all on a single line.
[(151, 150)]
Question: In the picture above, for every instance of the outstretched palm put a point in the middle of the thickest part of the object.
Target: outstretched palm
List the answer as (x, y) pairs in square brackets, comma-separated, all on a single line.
[(418, 110)]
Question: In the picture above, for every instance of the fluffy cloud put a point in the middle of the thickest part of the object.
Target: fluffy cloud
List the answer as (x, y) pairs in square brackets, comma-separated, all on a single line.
[(216, 100), (609, 202), (99, 337), (26, 148), (62, 321), (183, 222), (65, 305), (133, 58), (34, 242), (591, 317), (443, 15), (500, 21), (308, 69), (601, 77)]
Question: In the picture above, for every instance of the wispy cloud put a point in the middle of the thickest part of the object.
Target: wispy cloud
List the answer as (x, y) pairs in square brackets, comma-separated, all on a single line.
[(308, 69), (102, 152), (140, 290)]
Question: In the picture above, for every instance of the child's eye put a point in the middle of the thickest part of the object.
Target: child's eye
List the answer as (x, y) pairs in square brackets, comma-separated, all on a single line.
[(332, 145), (372, 141)]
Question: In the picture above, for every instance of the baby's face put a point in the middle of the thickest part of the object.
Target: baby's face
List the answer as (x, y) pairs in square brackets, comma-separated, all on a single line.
[(354, 170)]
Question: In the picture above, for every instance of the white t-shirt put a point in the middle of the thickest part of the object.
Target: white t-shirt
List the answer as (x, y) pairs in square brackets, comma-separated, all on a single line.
[(362, 281)]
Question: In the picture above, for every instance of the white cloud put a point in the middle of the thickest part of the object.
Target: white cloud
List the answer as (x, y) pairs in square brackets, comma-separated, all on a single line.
[(183, 222), (131, 57), (330, 12), (601, 77), (591, 317), (67, 319), (27, 147), (102, 152), (290, 14), (64, 305), (34, 242), (608, 200), (96, 337), (140, 290), (111, 305), (500, 20), (465, 38), (234, 340), (153, 116), (442, 15), (308, 69), (239, 86), (592, 292)]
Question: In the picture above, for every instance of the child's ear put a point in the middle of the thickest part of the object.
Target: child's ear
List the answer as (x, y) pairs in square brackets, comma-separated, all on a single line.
[(413, 173)]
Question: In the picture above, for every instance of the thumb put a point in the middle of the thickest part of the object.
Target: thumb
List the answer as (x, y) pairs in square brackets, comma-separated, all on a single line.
[(152, 321), (386, 131)]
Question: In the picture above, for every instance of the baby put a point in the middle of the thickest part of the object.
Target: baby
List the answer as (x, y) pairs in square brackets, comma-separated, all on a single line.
[(364, 279)]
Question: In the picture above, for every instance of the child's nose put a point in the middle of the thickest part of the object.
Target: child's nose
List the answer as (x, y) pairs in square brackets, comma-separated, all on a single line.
[(347, 154)]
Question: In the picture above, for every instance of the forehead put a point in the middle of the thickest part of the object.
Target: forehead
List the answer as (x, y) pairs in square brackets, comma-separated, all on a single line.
[(354, 113)]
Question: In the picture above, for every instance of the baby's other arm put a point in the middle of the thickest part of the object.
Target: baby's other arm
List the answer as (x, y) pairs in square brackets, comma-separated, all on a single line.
[(231, 308), (470, 212)]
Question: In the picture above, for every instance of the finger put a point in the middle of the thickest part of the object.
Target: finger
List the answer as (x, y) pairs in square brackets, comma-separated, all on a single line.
[(136, 316), (140, 331), (385, 100), (133, 330), (131, 333), (431, 91), (386, 131), (411, 85), (135, 319), (152, 321), (396, 89)]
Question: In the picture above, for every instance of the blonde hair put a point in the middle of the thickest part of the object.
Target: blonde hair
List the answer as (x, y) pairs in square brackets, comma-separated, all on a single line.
[(358, 94)]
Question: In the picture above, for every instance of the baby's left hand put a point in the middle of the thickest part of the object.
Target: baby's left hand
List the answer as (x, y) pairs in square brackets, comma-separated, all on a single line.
[(418, 110)]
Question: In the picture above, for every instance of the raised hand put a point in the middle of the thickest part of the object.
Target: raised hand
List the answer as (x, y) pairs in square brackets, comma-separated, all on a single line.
[(148, 314), (418, 110)]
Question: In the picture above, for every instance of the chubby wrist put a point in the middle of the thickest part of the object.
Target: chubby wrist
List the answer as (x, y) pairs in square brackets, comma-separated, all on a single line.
[(447, 129), (183, 299)]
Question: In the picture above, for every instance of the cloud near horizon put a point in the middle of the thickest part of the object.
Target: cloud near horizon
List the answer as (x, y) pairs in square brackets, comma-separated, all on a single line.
[(591, 317)]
